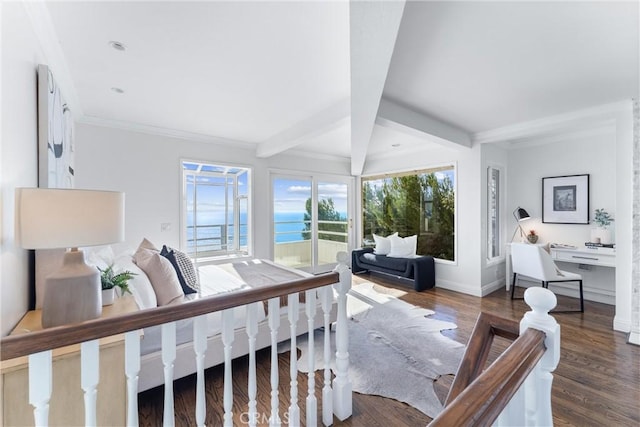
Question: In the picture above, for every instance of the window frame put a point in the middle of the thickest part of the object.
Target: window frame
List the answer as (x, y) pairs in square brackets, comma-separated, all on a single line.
[(501, 204), (237, 252), (411, 171)]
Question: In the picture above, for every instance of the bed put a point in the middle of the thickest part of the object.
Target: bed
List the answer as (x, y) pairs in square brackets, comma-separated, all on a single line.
[(213, 280)]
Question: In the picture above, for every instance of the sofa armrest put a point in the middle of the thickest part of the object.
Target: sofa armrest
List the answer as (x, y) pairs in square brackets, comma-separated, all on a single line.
[(355, 259), (424, 273)]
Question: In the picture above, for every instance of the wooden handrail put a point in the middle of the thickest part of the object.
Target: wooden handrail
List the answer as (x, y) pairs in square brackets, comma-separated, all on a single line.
[(483, 400), (475, 356), (21, 345)]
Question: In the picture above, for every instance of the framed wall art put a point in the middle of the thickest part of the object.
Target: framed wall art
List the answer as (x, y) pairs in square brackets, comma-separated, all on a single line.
[(55, 134), (565, 199)]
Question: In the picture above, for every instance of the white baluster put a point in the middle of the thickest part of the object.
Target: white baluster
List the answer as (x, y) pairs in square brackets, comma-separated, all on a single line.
[(542, 300), (132, 369), (40, 386), (227, 341), (342, 388), (89, 377), (274, 324), (200, 347), (292, 314), (168, 358), (312, 403), (326, 295), (252, 332)]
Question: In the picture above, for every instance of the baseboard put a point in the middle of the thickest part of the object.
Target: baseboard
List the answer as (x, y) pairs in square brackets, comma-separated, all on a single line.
[(622, 325), (492, 287), (634, 338), (458, 287)]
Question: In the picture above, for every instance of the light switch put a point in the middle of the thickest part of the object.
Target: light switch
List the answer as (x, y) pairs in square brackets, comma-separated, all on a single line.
[(165, 226)]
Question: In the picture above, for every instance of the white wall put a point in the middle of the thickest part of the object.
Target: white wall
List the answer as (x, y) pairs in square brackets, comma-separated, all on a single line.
[(464, 275), (147, 168), (591, 152), (21, 54)]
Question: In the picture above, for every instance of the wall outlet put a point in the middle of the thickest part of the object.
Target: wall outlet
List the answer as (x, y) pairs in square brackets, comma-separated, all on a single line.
[(165, 226)]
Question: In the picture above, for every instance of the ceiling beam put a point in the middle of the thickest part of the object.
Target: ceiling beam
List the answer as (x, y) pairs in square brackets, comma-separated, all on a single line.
[(318, 124), (405, 120), (374, 28)]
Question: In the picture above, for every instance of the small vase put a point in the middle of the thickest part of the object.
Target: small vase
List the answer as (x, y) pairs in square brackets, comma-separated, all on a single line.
[(108, 296), (532, 238), (601, 235)]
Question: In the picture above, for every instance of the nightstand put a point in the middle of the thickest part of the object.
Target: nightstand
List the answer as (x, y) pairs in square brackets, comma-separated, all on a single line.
[(66, 406)]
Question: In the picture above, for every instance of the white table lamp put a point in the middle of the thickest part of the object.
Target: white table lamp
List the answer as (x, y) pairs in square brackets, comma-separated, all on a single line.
[(64, 218)]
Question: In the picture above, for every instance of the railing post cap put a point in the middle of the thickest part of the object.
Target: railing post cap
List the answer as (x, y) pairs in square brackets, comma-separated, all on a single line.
[(540, 299)]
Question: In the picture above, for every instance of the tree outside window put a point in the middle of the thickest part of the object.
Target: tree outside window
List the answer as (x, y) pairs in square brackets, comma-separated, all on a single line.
[(420, 203)]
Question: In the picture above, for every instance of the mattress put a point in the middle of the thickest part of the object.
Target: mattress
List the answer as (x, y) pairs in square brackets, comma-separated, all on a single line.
[(221, 279)]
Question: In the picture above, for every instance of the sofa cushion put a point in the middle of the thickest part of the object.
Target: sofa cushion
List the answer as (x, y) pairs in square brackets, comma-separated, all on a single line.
[(383, 244), (403, 247), (383, 261)]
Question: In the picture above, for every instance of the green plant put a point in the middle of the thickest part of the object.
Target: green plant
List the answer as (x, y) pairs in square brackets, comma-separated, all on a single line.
[(602, 218), (111, 280)]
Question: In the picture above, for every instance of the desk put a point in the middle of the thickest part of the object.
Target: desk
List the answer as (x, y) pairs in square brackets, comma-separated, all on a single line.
[(605, 257)]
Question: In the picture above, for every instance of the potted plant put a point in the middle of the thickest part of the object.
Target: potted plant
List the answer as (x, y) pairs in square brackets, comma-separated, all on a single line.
[(601, 234), (532, 237), (111, 280)]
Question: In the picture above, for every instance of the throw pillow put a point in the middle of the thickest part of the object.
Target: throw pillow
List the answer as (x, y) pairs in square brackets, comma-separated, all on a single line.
[(184, 269), (383, 244), (162, 275), (403, 247), (146, 244)]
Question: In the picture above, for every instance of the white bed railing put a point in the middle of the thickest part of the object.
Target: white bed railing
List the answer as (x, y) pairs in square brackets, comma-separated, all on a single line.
[(335, 397)]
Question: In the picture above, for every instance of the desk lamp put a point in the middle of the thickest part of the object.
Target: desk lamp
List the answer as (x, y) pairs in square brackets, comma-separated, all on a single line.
[(520, 215), (62, 218)]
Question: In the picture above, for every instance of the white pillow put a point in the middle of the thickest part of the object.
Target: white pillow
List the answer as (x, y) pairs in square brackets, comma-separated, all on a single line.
[(99, 256), (383, 244), (161, 273), (140, 285), (403, 247)]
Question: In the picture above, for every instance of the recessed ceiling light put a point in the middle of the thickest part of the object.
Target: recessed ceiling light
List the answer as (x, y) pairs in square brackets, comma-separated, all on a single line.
[(395, 145), (117, 45), (117, 90)]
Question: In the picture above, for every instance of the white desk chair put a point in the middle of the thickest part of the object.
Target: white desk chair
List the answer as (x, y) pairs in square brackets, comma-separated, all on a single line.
[(533, 261)]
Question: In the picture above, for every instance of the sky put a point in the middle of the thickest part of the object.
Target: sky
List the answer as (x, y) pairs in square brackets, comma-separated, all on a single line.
[(290, 195)]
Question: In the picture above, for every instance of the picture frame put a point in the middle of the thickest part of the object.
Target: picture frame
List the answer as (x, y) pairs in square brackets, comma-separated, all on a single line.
[(55, 134), (565, 199)]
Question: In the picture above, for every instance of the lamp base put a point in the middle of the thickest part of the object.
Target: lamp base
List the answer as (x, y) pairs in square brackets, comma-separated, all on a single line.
[(73, 293)]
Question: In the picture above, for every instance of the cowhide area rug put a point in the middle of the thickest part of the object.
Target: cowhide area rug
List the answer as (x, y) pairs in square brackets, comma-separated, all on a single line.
[(395, 350)]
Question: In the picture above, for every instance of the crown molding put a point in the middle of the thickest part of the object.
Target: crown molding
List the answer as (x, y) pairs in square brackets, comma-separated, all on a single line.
[(52, 51), (171, 133), (580, 119), (603, 128)]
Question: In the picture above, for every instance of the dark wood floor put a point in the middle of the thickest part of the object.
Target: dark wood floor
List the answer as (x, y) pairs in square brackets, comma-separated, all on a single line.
[(596, 384)]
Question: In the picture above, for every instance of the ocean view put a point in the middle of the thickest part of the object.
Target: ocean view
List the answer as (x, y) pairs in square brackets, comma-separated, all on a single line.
[(288, 227)]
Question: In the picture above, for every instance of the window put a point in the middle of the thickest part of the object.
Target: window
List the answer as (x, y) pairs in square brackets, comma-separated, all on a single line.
[(417, 202), (216, 210), (493, 213)]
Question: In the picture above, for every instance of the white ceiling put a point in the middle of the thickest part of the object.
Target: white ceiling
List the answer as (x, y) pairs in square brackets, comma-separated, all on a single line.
[(279, 74)]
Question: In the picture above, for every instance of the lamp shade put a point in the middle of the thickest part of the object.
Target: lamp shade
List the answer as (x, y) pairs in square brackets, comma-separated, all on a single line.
[(521, 214), (50, 218)]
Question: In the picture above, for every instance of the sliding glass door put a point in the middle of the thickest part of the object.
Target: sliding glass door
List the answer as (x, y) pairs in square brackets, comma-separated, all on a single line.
[(311, 221)]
